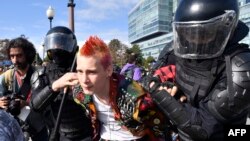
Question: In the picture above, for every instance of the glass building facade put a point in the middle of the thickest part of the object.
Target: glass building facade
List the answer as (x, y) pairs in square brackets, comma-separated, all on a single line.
[(245, 17), (149, 19), (150, 25), (154, 46), (243, 2)]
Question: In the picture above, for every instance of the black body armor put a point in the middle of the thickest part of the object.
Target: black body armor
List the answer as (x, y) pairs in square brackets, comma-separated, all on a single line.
[(219, 104), (208, 89), (211, 70)]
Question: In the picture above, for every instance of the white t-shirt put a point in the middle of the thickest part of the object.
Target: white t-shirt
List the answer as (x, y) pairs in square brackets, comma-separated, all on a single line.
[(110, 128)]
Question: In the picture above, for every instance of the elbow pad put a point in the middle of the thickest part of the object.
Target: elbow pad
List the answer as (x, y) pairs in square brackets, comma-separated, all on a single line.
[(42, 94), (175, 111), (43, 99), (170, 107)]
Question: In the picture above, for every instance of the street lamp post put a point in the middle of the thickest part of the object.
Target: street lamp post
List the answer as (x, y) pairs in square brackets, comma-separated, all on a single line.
[(50, 14), (43, 47), (71, 6)]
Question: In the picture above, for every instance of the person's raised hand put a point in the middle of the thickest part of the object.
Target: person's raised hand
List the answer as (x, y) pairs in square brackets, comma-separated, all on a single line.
[(68, 79)]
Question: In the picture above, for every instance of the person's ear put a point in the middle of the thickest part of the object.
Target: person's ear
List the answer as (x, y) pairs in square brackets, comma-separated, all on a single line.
[(109, 70)]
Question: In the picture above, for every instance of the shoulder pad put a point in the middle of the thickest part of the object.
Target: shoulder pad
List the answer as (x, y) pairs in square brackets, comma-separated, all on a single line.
[(241, 62), (41, 70), (36, 74), (219, 105), (241, 69)]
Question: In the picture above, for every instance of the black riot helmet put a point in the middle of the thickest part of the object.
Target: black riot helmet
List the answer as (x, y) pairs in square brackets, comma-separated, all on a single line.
[(61, 45), (202, 28)]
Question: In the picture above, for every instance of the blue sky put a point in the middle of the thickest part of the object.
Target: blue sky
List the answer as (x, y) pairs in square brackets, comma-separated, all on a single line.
[(107, 19)]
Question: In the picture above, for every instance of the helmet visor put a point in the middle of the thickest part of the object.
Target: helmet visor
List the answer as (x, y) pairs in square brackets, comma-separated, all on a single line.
[(203, 39), (60, 41)]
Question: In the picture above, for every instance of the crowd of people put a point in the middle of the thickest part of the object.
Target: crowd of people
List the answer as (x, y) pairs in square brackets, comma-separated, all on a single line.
[(194, 91)]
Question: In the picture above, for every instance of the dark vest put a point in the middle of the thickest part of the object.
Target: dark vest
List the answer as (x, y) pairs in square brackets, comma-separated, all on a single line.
[(196, 78)]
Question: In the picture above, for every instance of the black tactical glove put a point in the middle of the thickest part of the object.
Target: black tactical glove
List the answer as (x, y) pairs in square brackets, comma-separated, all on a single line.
[(149, 79)]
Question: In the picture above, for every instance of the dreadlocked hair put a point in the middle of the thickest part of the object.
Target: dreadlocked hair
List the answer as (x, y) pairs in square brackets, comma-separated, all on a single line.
[(95, 125), (113, 93)]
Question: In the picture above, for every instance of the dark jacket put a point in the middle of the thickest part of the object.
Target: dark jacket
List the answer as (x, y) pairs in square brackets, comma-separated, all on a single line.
[(74, 125)]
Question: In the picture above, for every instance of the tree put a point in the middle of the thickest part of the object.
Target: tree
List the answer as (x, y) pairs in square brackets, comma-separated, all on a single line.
[(136, 50), (148, 62), (3, 49), (117, 51), (114, 46)]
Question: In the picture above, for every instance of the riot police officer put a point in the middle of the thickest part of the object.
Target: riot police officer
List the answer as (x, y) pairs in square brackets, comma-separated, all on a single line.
[(211, 70), (61, 46)]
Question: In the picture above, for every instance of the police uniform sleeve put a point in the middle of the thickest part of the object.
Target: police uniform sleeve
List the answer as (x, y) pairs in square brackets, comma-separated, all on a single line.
[(42, 93), (184, 116), (187, 118)]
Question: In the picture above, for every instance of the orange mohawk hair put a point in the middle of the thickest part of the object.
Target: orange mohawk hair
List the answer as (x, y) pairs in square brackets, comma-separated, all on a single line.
[(94, 46)]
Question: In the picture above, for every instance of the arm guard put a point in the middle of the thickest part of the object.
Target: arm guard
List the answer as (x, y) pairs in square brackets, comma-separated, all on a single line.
[(42, 93), (219, 103), (179, 116), (176, 112)]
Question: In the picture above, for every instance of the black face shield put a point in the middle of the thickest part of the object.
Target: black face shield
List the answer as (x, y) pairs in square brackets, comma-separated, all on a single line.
[(60, 41)]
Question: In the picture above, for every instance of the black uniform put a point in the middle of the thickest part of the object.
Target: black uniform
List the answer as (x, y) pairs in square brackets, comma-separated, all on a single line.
[(213, 78), (74, 123), (61, 46)]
